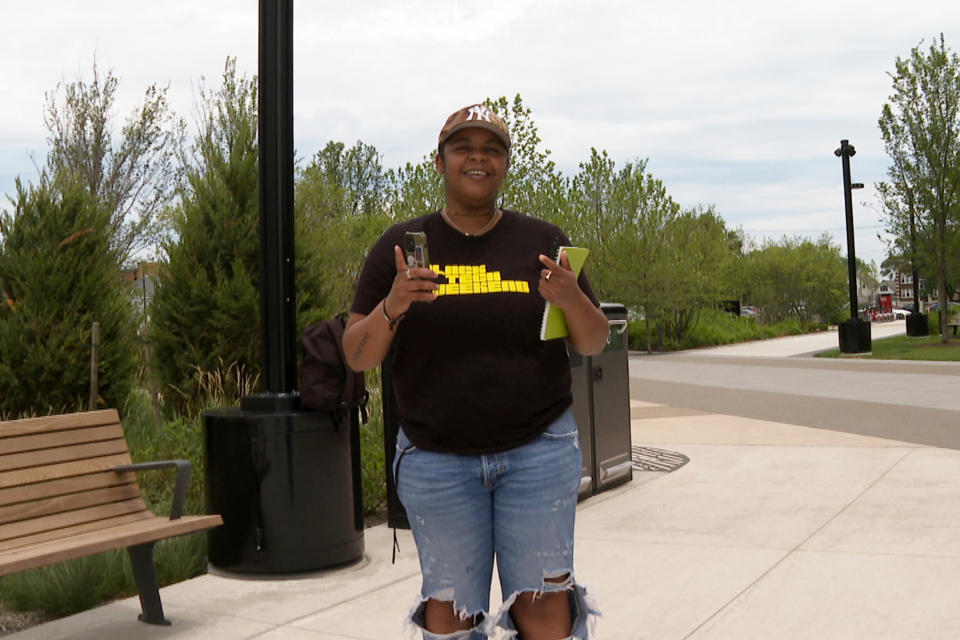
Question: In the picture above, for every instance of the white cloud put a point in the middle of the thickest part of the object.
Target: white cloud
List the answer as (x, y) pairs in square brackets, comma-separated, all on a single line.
[(737, 103)]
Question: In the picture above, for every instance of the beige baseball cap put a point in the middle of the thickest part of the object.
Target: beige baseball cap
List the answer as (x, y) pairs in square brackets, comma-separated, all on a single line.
[(476, 115)]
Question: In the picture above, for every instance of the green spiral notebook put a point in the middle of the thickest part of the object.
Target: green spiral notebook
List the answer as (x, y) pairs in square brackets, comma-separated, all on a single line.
[(554, 323)]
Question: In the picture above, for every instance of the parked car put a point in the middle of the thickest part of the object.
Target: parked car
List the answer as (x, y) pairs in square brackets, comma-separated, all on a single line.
[(951, 305), (901, 314)]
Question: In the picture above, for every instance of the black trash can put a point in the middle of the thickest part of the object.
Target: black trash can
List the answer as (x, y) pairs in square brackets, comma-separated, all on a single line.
[(581, 374), (918, 324), (601, 406), (288, 487)]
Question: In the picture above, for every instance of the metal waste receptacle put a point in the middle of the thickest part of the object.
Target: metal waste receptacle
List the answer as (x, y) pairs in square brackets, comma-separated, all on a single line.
[(288, 488), (601, 406), (582, 388)]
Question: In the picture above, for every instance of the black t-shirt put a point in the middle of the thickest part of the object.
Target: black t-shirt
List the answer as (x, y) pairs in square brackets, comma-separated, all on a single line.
[(471, 374)]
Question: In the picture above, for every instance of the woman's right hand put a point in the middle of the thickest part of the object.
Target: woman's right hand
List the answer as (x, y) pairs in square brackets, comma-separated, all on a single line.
[(367, 338), (410, 285)]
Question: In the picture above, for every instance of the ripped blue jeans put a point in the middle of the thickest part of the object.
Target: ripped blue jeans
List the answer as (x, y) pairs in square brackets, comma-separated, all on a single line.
[(518, 506)]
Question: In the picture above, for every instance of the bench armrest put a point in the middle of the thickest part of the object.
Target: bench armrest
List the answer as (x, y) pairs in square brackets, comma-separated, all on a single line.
[(180, 485)]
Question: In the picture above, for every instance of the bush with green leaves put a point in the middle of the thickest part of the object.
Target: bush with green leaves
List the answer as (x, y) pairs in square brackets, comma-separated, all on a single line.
[(60, 275), (714, 327)]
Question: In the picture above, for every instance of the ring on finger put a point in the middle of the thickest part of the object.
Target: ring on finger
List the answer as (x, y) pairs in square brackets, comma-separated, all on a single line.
[(547, 277)]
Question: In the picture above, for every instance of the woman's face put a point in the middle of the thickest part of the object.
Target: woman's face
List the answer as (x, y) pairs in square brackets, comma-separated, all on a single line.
[(473, 164)]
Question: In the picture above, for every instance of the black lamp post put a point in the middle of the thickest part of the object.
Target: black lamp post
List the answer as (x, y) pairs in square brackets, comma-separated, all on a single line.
[(286, 481), (918, 323), (854, 334), (278, 312)]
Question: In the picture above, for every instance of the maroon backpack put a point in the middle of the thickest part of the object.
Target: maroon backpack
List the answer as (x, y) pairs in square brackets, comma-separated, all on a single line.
[(326, 383)]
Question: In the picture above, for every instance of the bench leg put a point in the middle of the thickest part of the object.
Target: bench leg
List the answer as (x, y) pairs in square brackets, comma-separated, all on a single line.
[(145, 575)]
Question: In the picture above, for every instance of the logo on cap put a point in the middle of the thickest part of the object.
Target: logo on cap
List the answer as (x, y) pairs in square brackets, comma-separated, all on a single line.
[(479, 112)]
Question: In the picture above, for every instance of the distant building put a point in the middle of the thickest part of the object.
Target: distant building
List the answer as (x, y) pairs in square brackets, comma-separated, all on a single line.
[(142, 283)]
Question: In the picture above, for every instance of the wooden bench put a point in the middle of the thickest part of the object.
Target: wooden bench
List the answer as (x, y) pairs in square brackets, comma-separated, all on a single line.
[(68, 490)]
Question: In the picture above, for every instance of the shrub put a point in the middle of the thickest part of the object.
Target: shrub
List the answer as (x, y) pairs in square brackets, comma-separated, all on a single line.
[(60, 276), (714, 327)]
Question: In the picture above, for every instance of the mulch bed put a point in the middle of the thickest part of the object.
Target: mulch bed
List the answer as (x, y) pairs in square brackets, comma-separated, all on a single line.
[(14, 621)]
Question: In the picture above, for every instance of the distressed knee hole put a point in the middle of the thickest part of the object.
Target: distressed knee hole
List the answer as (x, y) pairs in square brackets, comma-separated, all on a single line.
[(582, 609), (439, 613), (560, 582)]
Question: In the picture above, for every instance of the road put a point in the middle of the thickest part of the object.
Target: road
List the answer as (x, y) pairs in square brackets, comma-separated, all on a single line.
[(777, 380)]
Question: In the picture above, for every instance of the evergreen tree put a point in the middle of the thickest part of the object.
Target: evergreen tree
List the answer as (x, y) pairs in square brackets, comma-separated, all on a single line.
[(60, 274), (206, 310)]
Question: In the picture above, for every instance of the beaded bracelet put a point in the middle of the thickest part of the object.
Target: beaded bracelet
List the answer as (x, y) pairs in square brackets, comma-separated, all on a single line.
[(392, 323)]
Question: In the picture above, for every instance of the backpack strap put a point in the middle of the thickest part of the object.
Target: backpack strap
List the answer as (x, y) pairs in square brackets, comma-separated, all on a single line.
[(353, 383)]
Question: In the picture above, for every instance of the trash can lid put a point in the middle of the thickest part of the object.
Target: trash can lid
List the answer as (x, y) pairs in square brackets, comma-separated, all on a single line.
[(613, 308)]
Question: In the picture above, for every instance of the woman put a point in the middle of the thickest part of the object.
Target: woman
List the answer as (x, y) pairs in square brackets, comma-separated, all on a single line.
[(488, 459)]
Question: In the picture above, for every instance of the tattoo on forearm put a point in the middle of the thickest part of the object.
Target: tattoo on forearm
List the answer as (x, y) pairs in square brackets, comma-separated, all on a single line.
[(363, 343)]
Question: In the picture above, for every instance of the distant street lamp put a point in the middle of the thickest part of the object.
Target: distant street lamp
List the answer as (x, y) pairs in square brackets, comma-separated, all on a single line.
[(854, 333), (917, 322)]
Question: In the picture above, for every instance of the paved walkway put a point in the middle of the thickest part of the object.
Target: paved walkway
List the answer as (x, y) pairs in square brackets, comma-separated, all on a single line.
[(775, 529)]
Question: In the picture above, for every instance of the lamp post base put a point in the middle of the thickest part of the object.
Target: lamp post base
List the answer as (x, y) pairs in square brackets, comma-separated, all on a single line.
[(855, 336)]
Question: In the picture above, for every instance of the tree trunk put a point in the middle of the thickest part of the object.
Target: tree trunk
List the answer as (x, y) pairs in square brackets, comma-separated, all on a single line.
[(942, 279)]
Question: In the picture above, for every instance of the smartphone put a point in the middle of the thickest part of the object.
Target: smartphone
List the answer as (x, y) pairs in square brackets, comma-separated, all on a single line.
[(415, 248)]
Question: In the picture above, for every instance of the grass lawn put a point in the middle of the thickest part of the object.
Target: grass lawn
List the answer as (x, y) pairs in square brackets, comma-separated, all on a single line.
[(906, 348)]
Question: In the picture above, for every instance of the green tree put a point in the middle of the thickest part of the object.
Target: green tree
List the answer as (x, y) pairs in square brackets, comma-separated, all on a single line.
[(701, 254), (206, 310), (415, 189), (797, 277), (131, 173), (622, 216), (60, 274), (921, 133), (533, 185), (341, 211)]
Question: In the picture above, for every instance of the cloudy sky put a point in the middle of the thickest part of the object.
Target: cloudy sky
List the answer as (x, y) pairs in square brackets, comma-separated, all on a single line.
[(739, 104)]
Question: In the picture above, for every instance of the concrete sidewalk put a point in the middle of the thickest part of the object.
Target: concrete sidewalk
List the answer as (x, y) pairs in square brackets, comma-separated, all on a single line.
[(771, 530)]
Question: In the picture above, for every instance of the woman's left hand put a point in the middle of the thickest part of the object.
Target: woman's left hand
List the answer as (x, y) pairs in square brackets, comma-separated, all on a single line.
[(587, 324), (558, 285)]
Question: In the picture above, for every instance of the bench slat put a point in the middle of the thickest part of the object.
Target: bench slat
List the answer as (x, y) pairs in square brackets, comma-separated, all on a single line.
[(53, 423), (62, 454), (64, 470), (40, 490), (50, 439), (46, 536), (13, 530), (85, 544), (69, 502)]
